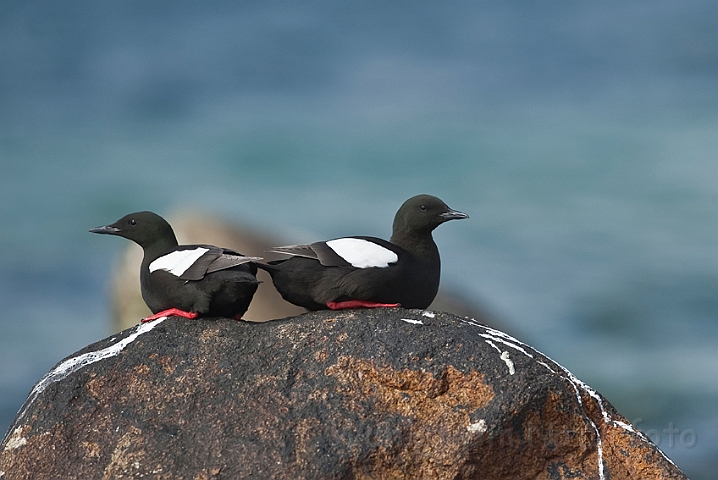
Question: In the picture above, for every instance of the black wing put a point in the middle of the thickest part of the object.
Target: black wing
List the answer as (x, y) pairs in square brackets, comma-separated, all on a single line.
[(316, 251), (213, 260), (326, 255)]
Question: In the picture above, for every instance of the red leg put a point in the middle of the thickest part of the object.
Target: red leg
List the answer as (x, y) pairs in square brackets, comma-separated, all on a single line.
[(170, 312), (360, 304), (238, 317)]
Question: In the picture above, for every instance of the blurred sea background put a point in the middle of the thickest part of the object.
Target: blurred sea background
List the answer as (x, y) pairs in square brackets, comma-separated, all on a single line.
[(581, 137)]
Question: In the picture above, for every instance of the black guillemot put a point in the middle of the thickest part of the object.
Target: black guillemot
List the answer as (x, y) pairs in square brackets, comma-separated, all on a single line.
[(368, 272), (186, 280)]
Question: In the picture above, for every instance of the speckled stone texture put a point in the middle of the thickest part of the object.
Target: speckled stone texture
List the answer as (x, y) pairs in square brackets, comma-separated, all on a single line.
[(363, 394)]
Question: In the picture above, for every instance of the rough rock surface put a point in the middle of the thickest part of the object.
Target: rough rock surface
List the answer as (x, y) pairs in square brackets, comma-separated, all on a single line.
[(361, 394)]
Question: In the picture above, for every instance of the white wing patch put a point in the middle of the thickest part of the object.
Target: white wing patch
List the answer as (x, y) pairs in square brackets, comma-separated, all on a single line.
[(178, 261), (361, 253)]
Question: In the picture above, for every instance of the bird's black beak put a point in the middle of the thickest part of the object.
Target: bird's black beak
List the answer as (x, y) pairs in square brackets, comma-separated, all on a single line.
[(106, 229), (453, 215)]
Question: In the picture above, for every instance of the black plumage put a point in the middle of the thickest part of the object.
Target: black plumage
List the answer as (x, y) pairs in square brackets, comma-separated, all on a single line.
[(186, 280), (365, 271)]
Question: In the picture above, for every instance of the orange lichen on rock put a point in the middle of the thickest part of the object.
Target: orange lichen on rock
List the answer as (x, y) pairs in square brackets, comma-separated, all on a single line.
[(437, 408)]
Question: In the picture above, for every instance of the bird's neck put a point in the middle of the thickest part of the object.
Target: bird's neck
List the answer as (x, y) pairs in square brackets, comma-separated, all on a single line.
[(419, 244), (155, 250)]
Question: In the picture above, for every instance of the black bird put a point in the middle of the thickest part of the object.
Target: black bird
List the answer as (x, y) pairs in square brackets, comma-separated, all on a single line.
[(354, 272), (186, 280)]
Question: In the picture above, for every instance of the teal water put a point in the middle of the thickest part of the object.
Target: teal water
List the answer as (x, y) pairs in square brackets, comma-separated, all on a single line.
[(581, 139)]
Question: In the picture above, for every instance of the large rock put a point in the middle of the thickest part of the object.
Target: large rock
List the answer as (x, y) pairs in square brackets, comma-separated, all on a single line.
[(388, 393)]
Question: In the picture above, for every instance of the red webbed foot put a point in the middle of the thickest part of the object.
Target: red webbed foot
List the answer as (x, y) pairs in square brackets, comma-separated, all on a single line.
[(359, 304), (171, 312)]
